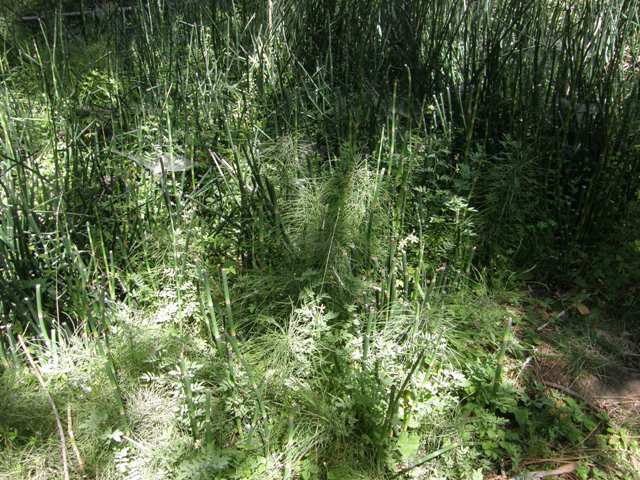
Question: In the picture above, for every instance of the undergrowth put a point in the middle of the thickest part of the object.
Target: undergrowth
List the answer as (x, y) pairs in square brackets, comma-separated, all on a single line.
[(304, 240)]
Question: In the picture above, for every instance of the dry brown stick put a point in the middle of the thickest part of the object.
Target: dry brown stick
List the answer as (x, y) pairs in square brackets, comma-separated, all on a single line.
[(627, 398), (572, 393), (54, 409), (537, 461), (540, 474), (72, 439)]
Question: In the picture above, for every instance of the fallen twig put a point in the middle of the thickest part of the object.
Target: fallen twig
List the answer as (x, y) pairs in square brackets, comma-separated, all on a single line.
[(72, 440), (572, 393), (568, 468), (54, 409)]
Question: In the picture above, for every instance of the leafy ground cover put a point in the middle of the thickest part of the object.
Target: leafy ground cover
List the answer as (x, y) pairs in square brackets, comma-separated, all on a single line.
[(319, 240)]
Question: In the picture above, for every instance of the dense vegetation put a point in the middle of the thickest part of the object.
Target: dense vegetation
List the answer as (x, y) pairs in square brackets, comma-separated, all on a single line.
[(319, 239)]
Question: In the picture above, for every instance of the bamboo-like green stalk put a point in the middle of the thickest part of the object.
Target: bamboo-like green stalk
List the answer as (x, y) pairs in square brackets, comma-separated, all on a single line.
[(210, 314), (188, 393), (231, 337), (367, 334), (497, 378), (44, 334)]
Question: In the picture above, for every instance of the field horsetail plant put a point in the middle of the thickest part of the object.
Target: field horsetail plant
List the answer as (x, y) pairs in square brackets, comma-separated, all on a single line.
[(336, 239)]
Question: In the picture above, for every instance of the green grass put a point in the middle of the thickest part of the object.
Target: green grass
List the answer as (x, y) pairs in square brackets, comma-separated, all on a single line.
[(346, 281)]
